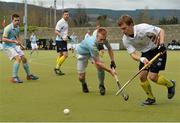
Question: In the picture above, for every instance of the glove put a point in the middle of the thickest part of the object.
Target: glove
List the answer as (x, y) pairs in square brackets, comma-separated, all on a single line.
[(100, 46), (69, 37), (161, 48), (113, 65)]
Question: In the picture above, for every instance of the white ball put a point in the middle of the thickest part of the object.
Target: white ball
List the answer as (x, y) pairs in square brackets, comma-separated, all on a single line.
[(66, 111)]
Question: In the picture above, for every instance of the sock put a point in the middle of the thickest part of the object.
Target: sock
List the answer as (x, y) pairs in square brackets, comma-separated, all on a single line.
[(60, 61), (163, 81), (57, 62), (83, 81), (26, 68), (15, 69), (147, 88), (101, 75)]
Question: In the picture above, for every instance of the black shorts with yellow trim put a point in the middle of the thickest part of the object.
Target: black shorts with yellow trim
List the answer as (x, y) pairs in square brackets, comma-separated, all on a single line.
[(61, 46), (158, 64)]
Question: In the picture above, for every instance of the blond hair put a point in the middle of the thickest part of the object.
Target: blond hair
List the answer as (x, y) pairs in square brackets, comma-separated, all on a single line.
[(125, 19)]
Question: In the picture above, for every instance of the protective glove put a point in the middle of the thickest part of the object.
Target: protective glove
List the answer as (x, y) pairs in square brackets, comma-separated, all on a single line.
[(69, 37), (100, 46), (113, 65), (161, 48)]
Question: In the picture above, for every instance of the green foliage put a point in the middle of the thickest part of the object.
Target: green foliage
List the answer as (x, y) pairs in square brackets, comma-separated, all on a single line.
[(81, 18), (30, 29), (102, 20), (172, 20)]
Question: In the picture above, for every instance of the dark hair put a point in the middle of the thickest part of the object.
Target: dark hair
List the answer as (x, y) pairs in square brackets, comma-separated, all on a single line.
[(15, 16), (125, 19), (65, 11)]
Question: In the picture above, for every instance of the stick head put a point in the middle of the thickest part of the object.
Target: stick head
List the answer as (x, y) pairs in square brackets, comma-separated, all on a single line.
[(126, 97)]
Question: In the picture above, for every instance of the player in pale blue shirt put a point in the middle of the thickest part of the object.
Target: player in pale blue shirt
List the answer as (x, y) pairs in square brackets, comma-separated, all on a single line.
[(34, 45), (11, 47), (87, 49)]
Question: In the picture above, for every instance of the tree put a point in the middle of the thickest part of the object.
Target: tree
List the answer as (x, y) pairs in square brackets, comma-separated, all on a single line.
[(143, 16), (102, 20), (171, 20), (81, 17)]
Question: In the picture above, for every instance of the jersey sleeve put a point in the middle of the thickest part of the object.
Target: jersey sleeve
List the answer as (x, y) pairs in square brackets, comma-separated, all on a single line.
[(130, 48), (93, 50), (107, 44), (59, 26), (6, 31), (150, 29)]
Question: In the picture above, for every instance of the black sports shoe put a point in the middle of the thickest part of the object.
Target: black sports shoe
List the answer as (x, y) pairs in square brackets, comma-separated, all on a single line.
[(85, 88), (102, 89), (58, 72), (149, 101), (171, 90)]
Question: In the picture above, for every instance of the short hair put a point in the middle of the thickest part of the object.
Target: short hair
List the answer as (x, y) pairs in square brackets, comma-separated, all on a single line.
[(15, 16), (65, 11), (102, 31), (127, 19)]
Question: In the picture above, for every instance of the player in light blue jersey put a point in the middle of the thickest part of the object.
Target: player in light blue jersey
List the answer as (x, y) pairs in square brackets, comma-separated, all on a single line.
[(87, 49), (34, 46), (11, 47)]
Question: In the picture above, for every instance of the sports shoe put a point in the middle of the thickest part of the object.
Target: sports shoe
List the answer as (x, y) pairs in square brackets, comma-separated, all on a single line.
[(32, 77), (58, 72), (171, 90), (16, 80), (102, 89), (149, 101), (85, 88)]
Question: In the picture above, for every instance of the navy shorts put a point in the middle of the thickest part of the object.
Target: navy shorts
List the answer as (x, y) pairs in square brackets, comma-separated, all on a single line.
[(61, 46), (158, 64)]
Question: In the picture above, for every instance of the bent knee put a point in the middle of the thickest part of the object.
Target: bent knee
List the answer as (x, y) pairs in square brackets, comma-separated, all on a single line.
[(18, 59), (153, 78), (81, 77)]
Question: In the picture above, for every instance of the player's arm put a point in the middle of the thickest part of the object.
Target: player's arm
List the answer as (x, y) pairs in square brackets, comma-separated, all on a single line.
[(5, 36), (132, 51), (30, 39), (111, 54), (95, 55), (19, 39), (4, 39), (58, 29), (155, 33), (137, 57), (57, 32), (101, 65), (161, 37)]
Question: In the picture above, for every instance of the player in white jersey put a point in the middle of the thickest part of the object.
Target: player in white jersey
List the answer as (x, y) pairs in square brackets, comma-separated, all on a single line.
[(61, 30), (149, 40), (34, 46)]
